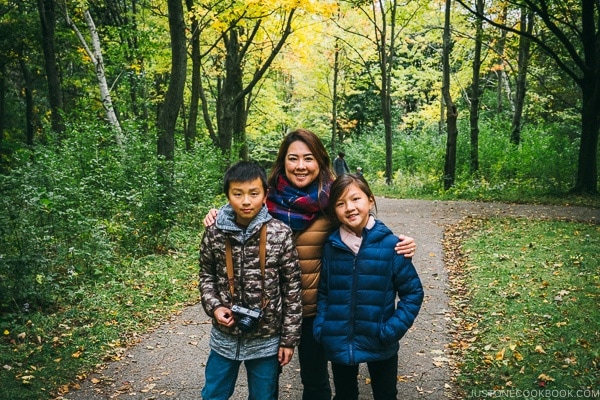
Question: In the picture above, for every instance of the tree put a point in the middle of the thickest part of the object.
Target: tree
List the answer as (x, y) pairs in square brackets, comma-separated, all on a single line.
[(95, 55), (243, 41), (527, 22), (382, 16), (47, 10), (573, 41), (475, 92), (451, 109), (169, 110)]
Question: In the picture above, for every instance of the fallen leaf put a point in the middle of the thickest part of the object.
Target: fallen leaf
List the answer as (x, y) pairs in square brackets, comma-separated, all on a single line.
[(500, 354)]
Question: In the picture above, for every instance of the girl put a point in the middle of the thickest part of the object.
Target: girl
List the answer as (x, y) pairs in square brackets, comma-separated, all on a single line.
[(357, 319)]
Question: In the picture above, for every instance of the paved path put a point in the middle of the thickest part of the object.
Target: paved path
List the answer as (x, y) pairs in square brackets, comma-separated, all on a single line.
[(169, 362)]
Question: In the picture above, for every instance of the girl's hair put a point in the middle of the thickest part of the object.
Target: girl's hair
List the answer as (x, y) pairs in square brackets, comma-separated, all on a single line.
[(339, 187), (316, 148)]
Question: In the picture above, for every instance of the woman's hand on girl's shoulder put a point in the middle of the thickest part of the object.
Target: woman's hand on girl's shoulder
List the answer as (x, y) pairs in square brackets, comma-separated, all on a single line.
[(406, 246), (210, 218)]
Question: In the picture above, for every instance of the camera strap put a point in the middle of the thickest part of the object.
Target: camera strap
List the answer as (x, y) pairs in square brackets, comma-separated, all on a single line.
[(262, 254)]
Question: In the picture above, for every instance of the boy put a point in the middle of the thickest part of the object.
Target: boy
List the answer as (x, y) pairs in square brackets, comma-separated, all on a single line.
[(250, 286)]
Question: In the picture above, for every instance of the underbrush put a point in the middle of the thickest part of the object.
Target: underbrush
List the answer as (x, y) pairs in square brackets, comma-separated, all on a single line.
[(43, 353)]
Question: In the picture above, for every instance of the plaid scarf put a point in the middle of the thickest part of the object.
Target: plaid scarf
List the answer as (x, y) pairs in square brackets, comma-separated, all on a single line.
[(296, 207)]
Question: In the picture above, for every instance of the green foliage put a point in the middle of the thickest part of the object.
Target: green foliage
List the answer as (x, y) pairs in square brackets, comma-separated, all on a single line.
[(541, 168), (83, 263), (527, 301), (79, 207)]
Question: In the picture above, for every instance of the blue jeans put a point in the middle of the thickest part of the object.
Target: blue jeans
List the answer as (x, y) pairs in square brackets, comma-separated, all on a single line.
[(221, 375), (313, 365)]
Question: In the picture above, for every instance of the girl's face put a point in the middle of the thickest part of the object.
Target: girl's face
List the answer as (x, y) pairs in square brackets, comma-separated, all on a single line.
[(352, 209), (301, 166)]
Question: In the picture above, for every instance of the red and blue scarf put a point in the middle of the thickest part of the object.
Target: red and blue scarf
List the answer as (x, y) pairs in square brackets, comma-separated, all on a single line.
[(297, 208)]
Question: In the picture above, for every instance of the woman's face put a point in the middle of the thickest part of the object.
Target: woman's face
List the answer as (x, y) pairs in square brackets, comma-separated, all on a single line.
[(301, 166)]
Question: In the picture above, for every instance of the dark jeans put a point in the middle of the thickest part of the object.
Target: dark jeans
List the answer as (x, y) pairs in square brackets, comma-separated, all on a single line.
[(313, 365), (383, 380)]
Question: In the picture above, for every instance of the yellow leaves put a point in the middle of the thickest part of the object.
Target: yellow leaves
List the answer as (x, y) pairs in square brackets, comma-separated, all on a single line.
[(500, 355), (539, 349), (78, 353), (517, 356)]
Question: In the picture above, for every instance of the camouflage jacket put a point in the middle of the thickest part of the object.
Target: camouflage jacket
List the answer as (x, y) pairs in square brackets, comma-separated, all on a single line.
[(281, 292)]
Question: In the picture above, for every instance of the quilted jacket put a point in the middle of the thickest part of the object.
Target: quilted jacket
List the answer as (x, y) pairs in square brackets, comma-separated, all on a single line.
[(358, 319), (309, 244), (282, 285)]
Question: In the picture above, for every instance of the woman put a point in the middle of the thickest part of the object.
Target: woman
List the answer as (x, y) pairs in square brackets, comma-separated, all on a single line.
[(299, 186)]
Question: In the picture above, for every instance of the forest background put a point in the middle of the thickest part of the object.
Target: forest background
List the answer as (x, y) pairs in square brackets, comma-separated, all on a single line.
[(118, 118)]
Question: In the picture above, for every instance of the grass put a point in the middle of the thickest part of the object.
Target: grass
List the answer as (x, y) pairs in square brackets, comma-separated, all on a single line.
[(526, 301), (44, 354)]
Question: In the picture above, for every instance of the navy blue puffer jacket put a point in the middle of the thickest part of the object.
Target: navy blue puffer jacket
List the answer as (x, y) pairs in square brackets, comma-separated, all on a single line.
[(358, 319)]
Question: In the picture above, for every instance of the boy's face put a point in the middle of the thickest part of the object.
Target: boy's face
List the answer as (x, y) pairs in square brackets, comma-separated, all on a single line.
[(247, 199)]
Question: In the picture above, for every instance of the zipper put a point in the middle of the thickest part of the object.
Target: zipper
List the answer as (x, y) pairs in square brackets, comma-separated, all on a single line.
[(353, 308)]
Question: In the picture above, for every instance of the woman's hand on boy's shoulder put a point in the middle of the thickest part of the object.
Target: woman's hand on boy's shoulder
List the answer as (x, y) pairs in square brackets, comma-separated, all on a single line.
[(210, 218)]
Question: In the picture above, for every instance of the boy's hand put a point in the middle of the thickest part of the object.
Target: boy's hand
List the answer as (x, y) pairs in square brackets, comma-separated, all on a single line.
[(210, 218), (224, 316), (285, 355), (406, 246)]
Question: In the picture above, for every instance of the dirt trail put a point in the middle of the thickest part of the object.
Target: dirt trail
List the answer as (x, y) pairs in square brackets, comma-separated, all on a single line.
[(169, 362)]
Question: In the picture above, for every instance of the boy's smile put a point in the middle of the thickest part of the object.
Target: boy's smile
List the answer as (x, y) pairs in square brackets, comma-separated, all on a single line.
[(246, 199)]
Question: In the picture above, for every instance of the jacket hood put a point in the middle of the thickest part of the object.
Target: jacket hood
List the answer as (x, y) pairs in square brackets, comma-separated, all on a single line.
[(226, 222), (378, 231)]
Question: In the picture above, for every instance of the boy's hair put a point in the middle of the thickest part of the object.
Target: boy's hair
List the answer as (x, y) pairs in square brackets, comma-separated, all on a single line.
[(339, 187), (244, 171)]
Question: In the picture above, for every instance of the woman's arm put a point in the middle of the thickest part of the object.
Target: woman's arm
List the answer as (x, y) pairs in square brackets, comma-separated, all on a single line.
[(210, 218)]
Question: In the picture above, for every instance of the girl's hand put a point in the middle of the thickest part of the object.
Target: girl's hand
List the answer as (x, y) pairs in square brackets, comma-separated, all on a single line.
[(210, 218), (285, 355), (406, 246)]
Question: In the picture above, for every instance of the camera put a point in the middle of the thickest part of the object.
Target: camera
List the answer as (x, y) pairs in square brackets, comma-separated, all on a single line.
[(247, 318)]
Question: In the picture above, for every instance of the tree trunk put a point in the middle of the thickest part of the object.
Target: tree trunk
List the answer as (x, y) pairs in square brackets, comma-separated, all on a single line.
[(500, 73), (386, 65), (527, 19), (48, 23), (98, 61), (28, 92), (451, 110), (476, 93), (334, 100), (230, 106), (191, 131), (2, 99), (169, 111), (95, 54)]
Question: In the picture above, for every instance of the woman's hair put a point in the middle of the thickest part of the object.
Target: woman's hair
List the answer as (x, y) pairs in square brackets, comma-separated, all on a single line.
[(339, 187), (316, 148)]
